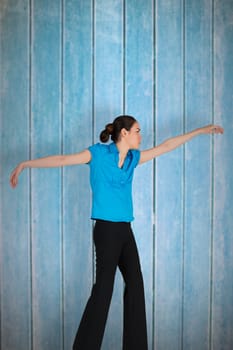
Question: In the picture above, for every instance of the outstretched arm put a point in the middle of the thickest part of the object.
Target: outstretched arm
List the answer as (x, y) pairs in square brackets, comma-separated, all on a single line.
[(177, 141), (50, 162)]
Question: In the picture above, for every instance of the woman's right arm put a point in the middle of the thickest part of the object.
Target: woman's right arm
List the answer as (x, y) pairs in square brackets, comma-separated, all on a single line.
[(50, 162)]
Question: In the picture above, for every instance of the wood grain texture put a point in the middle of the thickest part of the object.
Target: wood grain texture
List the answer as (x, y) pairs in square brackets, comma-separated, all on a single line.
[(222, 316), (198, 176), (46, 183), (15, 259), (77, 135), (68, 68), (169, 179)]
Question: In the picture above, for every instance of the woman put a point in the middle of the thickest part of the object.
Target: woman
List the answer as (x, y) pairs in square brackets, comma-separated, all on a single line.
[(111, 173)]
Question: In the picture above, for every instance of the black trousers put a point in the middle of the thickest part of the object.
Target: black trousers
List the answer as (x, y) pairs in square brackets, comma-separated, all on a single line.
[(115, 246)]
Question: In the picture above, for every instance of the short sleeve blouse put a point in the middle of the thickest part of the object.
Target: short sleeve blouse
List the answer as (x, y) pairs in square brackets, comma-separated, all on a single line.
[(111, 185)]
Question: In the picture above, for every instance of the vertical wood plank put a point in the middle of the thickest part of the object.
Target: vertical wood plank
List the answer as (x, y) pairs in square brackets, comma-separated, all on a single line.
[(169, 180), (198, 110), (90, 61), (77, 135), (108, 103), (14, 205), (139, 103), (222, 315), (46, 183)]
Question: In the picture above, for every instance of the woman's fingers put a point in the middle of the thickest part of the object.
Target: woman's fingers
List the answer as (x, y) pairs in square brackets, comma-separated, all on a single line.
[(217, 129), (13, 180), (14, 177), (213, 129)]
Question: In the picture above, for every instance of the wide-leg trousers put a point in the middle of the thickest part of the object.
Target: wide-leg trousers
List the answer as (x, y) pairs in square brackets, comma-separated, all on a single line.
[(115, 247)]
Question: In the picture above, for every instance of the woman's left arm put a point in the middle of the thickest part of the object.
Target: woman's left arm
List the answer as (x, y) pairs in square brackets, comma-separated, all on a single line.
[(174, 142)]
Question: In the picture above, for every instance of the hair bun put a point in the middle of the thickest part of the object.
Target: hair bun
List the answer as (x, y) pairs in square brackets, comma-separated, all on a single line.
[(104, 135), (109, 128)]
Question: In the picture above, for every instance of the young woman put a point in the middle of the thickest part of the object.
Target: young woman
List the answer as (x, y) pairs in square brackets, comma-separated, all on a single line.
[(111, 173)]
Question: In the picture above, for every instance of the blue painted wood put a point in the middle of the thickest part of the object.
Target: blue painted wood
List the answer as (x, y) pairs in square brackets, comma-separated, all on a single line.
[(46, 183), (108, 103), (15, 264), (197, 176), (168, 180), (222, 316), (139, 103), (90, 61), (77, 135)]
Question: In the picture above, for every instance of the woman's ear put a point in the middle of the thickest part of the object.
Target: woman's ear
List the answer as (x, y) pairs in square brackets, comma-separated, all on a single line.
[(124, 132)]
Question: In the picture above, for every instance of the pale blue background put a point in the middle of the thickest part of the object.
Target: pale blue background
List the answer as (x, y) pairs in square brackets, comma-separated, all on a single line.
[(67, 68)]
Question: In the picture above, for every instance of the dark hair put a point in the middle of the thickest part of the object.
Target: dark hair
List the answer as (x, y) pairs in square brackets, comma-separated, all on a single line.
[(114, 129)]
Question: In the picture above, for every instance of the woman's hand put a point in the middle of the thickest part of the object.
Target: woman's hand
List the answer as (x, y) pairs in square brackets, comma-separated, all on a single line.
[(51, 162), (15, 174), (177, 141), (212, 129)]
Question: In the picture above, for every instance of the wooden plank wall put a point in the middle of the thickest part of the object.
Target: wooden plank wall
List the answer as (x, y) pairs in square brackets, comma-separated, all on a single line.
[(67, 68)]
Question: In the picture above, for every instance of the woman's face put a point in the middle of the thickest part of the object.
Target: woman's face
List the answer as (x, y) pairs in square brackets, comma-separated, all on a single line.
[(134, 136)]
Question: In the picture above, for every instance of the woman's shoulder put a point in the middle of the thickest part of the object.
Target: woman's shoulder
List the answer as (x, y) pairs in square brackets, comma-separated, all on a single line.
[(135, 155), (98, 150), (99, 147)]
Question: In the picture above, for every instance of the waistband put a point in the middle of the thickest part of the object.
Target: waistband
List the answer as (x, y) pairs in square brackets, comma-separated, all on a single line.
[(112, 222)]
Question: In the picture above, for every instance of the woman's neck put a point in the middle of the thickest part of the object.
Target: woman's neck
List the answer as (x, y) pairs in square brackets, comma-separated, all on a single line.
[(123, 150)]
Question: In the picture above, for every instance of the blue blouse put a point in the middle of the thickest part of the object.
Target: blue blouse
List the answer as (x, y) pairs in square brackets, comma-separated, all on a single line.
[(111, 185)]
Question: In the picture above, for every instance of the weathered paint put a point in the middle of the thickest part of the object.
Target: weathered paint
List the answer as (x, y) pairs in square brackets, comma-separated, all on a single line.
[(15, 250), (77, 133), (169, 179), (198, 177), (67, 68), (222, 252)]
